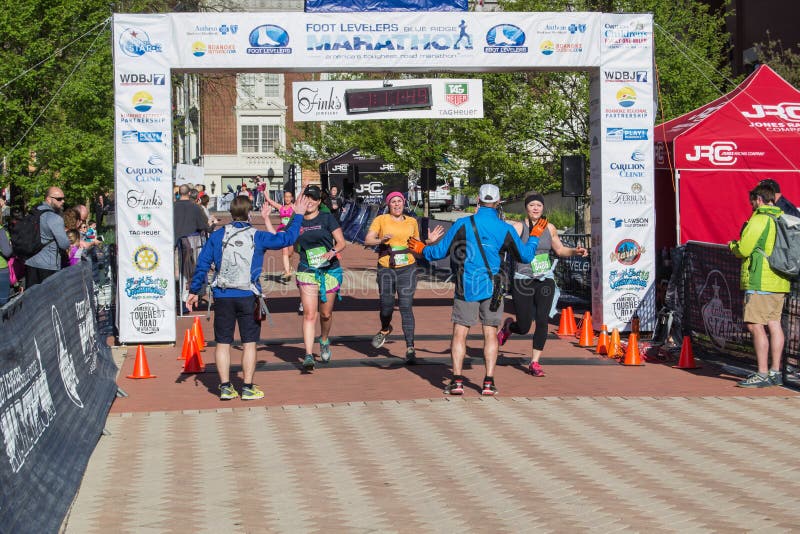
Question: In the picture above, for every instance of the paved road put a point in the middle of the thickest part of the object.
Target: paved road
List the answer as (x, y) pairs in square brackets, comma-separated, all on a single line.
[(369, 445)]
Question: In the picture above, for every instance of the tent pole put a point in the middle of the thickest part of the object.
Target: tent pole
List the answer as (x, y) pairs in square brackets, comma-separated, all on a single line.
[(678, 206)]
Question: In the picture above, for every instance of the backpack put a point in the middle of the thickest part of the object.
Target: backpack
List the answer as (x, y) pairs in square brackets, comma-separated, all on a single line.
[(26, 235), (238, 245), (785, 257)]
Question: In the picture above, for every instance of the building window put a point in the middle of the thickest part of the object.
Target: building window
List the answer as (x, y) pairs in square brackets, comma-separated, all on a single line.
[(269, 137), (264, 138), (250, 138), (272, 85)]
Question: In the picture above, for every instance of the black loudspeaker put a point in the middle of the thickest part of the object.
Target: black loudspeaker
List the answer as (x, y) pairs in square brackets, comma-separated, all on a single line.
[(473, 178), (573, 176), (352, 173), (427, 180)]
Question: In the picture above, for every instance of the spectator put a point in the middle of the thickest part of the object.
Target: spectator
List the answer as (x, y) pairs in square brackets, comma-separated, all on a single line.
[(99, 209), (5, 254), (74, 252), (47, 261), (188, 217), (765, 290), (781, 201)]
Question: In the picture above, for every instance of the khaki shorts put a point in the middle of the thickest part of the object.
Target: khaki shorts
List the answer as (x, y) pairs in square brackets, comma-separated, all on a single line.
[(761, 309), (469, 313)]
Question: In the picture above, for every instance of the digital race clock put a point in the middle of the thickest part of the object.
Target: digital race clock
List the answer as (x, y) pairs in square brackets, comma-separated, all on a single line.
[(387, 98)]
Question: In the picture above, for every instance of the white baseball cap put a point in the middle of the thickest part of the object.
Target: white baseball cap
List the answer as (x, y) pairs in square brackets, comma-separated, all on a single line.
[(489, 193)]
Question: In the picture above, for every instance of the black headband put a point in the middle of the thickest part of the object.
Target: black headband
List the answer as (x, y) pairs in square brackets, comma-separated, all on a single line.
[(535, 196)]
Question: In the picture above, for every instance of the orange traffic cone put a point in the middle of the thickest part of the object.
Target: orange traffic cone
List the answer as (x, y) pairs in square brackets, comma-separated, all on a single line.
[(602, 341), (140, 367), (186, 349), (687, 355), (632, 356), (194, 362), (197, 330), (571, 320), (565, 326), (586, 338), (614, 345)]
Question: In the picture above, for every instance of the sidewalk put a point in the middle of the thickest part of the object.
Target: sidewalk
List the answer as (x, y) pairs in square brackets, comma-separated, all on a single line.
[(369, 444)]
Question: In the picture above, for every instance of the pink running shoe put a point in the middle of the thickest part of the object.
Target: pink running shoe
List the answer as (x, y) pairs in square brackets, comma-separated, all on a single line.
[(505, 331), (535, 369)]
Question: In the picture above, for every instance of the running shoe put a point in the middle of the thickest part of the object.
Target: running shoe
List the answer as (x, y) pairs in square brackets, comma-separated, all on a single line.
[(505, 331), (535, 369), (380, 338), (489, 389), (227, 392), (411, 356), (775, 377), (455, 387), (252, 393), (325, 351), (756, 381), (308, 362)]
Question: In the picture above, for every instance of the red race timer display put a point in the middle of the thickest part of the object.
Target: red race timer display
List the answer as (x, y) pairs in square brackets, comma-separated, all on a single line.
[(387, 98)]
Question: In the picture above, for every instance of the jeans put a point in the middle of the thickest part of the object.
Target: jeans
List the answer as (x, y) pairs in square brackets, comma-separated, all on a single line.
[(5, 286)]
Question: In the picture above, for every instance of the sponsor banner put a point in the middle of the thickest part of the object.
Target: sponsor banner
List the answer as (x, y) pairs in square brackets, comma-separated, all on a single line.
[(317, 42), (623, 36), (449, 99), (627, 103), (57, 383), (143, 40)]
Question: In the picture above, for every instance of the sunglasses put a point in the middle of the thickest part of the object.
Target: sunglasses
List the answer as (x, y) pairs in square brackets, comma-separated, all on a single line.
[(59, 199)]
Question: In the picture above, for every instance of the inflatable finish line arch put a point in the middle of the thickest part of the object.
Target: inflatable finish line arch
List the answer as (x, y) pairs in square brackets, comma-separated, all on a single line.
[(617, 50)]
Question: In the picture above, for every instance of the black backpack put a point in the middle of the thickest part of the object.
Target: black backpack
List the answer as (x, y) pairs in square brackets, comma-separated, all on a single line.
[(26, 235)]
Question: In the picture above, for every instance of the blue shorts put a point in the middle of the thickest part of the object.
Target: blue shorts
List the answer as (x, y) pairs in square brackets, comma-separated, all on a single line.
[(231, 310)]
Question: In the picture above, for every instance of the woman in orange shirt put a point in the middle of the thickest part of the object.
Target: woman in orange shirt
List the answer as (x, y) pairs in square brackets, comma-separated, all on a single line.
[(397, 269)]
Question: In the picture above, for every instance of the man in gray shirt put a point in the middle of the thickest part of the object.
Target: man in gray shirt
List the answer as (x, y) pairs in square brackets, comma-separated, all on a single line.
[(48, 260)]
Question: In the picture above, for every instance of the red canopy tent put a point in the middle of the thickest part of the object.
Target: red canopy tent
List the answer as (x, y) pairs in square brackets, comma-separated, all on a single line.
[(716, 154)]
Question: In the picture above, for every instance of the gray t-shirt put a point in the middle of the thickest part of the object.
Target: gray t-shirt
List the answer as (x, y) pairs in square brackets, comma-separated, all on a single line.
[(53, 233)]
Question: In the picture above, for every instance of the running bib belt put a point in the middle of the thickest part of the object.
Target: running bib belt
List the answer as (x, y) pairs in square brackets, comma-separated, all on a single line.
[(400, 260), (285, 220), (314, 257), (541, 264)]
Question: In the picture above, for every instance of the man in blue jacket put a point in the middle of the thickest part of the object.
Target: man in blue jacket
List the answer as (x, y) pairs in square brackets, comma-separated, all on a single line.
[(474, 285), (237, 252)]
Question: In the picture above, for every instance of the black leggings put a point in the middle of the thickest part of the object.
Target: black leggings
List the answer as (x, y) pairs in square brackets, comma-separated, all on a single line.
[(532, 302), (403, 282)]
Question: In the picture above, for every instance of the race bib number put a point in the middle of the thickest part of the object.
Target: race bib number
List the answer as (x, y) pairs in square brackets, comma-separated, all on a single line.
[(400, 260), (541, 264), (314, 257), (285, 220)]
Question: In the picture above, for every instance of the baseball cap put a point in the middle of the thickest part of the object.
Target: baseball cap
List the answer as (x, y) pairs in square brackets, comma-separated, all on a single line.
[(489, 193), (313, 191)]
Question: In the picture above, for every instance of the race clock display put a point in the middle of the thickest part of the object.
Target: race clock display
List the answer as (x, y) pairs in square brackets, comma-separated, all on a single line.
[(387, 98)]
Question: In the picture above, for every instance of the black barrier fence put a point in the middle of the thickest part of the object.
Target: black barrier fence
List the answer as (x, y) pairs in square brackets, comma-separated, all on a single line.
[(707, 300), (574, 274), (57, 382)]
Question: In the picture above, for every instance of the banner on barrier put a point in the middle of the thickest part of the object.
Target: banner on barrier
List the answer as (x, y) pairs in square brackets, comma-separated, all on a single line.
[(334, 6), (436, 98), (57, 382)]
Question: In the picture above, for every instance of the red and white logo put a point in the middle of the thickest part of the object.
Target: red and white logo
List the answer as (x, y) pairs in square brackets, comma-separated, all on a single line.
[(788, 111), (661, 153), (717, 153)]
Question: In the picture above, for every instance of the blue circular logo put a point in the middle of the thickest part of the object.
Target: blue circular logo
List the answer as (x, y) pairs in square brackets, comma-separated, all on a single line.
[(505, 35), (268, 36)]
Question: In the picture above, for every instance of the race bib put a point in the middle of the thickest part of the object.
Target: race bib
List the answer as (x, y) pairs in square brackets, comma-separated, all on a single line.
[(541, 264), (314, 257), (400, 260), (285, 220)]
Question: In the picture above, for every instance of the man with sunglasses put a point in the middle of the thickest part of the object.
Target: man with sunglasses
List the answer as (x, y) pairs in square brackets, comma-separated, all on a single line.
[(54, 237)]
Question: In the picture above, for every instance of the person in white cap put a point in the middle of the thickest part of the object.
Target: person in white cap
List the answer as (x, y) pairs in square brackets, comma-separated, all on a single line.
[(476, 245)]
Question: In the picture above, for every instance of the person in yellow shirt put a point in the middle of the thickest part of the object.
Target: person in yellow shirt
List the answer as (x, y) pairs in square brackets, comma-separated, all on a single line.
[(397, 269)]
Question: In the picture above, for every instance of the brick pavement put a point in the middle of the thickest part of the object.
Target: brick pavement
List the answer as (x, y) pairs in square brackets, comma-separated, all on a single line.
[(369, 445), (609, 464)]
